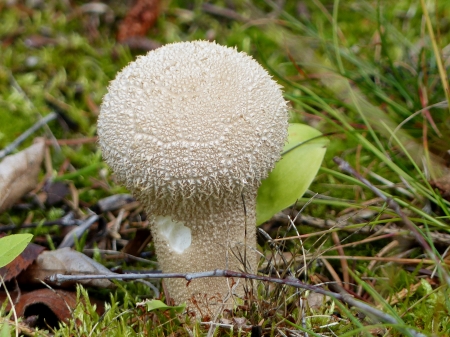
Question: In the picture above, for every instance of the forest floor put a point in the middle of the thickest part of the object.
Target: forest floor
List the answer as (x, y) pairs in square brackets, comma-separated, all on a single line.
[(368, 241)]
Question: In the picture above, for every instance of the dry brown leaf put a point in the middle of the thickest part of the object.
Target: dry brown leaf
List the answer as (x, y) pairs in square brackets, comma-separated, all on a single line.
[(19, 173), (50, 306), (22, 262), (316, 301), (56, 192), (38, 302), (140, 18), (69, 262), (443, 185)]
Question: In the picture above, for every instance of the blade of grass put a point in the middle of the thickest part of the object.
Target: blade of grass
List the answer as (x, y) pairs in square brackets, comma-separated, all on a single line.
[(437, 53)]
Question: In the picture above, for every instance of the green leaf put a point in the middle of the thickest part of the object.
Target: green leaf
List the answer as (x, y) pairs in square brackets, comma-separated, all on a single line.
[(157, 304), (12, 246), (292, 175), (5, 332)]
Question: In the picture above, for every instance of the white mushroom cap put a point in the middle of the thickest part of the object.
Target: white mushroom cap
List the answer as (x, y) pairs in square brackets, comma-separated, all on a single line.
[(191, 129), (191, 121)]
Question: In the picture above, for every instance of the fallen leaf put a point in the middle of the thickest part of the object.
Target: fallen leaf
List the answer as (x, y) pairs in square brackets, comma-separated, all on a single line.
[(114, 202), (139, 19), (19, 173), (56, 192), (443, 185), (46, 307), (50, 305), (316, 301), (21, 262), (240, 323), (69, 262)]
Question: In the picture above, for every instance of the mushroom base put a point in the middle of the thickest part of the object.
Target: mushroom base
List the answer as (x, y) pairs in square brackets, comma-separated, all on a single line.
[(220, 239)]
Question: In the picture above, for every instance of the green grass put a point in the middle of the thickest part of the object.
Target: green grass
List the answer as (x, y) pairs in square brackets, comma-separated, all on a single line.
[(354, 69)]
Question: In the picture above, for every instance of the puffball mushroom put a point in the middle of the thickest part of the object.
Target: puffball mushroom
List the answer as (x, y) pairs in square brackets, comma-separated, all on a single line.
[(191, 129)]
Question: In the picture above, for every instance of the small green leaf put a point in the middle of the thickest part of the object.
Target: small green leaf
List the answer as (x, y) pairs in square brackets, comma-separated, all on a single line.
[(157, 304), (292, 175), (5, 332), (12, 246)]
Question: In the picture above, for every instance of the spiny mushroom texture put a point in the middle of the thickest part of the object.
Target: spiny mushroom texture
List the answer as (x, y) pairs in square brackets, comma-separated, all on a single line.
[(191, 129)]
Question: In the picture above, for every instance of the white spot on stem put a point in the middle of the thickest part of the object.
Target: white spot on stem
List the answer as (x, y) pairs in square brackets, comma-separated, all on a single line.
[(177, 235)]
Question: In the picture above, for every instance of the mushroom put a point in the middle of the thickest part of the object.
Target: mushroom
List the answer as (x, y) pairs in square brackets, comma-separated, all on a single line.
[(191, 129)]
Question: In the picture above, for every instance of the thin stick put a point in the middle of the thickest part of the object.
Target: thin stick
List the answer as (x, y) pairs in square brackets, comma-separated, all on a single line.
[(61, 278), (375, 258), (69, 239), (343, 296), (19, 140), (366, 258), (67, 220), (224, 12), (77, 141), (116, 254), (440, 238), (332, 271), (343, 262)]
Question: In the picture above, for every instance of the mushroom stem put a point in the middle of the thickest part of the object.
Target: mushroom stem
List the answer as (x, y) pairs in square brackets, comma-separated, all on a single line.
[(218, 241)]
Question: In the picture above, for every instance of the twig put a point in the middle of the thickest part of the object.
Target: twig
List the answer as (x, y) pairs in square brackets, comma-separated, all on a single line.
[(398, 260), (77, 141), (332, 271), (443, 104), (344, 263), (389, 184), (60, 278), (19, 140), (69, 239), (114, 230), (374, 258), (346, 167), (117, 254), (343, 296), (67, 220), (439, 238), (224, 12)]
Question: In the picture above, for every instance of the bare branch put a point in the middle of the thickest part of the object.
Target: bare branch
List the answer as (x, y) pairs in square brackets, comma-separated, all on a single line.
[(290, 281), (368, 228), (19, 140)]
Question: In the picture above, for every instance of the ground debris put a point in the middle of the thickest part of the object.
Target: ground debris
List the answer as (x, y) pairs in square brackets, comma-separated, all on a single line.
[(19, 173), (140, 18), (69, 262), (22, 262)]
